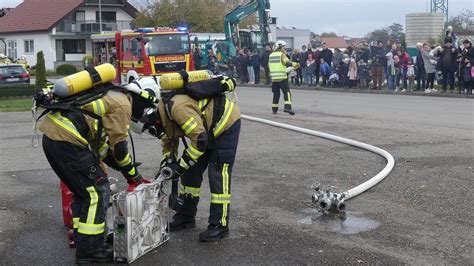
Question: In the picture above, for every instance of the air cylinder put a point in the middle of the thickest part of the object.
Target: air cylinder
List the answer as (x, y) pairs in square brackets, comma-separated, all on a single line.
[(174, 81)]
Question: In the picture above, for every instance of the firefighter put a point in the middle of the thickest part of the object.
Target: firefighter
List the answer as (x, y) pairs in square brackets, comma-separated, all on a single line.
[(23, 61), (70, 145), (4, 59), (278, 63), (213, 135)]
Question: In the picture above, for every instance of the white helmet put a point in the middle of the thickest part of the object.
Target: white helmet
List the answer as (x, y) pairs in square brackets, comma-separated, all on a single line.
[(280, 44), (145, 96)]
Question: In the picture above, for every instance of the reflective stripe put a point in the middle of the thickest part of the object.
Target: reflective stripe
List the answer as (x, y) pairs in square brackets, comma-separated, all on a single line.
[(193, 191), (225, 195), (98, 107), (75, 222), (229, 107), (289, 97), (126, 161), (90, 228), (132, 172), (275, 105), (189, 126), (287, 102), (202, 103), (220, 198), (183, 164), (194, 153), (276, 67), (103, 150), (166, 154), (92, 204), (66, 124)]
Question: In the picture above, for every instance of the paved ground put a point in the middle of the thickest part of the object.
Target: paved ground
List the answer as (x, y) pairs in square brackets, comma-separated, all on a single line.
[(421, 214)]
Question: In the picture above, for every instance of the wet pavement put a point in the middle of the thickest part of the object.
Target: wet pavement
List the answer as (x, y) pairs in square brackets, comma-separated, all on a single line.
[(419, 215)]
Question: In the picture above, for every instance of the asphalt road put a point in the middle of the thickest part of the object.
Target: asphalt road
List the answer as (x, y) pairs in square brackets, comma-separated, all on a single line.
[(421, 213)]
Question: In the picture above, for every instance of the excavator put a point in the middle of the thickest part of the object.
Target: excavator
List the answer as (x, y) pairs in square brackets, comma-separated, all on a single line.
[(249, 39)]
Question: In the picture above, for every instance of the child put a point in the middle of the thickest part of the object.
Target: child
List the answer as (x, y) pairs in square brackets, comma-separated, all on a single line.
[(294, 81), (352, 74), (325, 71), (410, 74), (344, 72), (391, 70), (397, 66), (364, 75)]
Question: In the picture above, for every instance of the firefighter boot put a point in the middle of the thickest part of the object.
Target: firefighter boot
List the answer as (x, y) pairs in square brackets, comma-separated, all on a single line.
[(181, 221), (214, 233), (95, 251), (288, 109)]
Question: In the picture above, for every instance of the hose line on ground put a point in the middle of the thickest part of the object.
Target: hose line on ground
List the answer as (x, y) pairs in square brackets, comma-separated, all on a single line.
[(353, 191)]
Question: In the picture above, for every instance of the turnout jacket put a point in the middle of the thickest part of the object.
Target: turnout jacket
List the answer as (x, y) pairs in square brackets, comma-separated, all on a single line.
[(115, 110), (183, 118)]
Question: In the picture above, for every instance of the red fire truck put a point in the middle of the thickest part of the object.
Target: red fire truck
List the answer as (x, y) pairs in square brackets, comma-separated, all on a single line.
[(144, 52)]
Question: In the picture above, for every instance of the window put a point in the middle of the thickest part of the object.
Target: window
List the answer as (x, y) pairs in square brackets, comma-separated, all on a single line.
[(167, 44), (74, 46), (29, 46), (80, 15), (11, 50), (106, 16)]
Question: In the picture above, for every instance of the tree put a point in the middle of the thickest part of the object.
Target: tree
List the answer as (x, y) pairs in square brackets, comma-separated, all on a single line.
[(393, 33), (40, 71), (328, 34), (463, 19), (198, 15)]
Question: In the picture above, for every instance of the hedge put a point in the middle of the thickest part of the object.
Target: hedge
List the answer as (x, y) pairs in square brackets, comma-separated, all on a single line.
[(17, 90), (66, 69)]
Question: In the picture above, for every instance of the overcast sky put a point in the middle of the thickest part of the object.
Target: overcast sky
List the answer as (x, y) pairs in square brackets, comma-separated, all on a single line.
[(349, 17)]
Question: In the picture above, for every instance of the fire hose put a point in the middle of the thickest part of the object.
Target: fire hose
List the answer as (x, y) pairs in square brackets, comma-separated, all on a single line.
[(325, 199)]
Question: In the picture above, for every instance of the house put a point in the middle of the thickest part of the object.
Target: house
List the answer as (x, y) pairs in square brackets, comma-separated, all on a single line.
[(334, 42), (60, 28)]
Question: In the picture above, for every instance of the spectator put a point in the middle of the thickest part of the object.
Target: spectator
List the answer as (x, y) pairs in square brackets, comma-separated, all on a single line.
[(363, 73), (255, 61), (230, 67), (410, 74), (402, 66), (265, 56), (316, 56), (309, 70), (212, 61), (296, 57), (325, 71), (197, 58), (420, 72), (242, 63), (336, 57), (467, 69), (447, 55), (391, 71), (344, 71), (364, 53), (326, 54), (352, 74), (250, 66), (430, 69), (378, 62), (450, 35)]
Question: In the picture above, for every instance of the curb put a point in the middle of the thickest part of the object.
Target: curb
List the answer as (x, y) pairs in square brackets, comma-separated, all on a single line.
[(367, 91)]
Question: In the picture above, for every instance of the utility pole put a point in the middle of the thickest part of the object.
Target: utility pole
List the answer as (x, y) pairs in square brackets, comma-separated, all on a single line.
[(440, 6), (100, 16)]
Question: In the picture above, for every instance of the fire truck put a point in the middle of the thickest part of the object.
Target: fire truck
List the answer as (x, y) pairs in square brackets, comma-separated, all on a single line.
[(144, 52)]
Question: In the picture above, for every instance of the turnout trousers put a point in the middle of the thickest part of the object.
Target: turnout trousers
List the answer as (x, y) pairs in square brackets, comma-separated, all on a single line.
[(219, 171), (78, 168), (276, 86)]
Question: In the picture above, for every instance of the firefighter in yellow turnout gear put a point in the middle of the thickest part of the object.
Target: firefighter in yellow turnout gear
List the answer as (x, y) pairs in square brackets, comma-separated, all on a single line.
[(70, 144), (278, 63), (212, 127)]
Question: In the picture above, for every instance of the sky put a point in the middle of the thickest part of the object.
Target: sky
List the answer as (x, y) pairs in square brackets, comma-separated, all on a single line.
[(353, 18)]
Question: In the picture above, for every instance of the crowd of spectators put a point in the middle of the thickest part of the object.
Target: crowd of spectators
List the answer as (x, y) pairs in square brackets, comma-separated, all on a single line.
[(372, 66)]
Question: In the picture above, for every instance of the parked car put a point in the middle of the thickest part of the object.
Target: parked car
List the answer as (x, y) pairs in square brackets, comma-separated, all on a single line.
[(13, 73)]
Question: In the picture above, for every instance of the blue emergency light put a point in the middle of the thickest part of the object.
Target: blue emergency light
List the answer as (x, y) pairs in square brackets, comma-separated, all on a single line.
[(144, 30), (183, 29)]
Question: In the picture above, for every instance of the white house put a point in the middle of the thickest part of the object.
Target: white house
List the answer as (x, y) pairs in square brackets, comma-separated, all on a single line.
[(60, 28)]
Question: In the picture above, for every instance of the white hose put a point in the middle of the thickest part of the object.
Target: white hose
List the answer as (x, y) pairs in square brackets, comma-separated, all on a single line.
[(353, 191)]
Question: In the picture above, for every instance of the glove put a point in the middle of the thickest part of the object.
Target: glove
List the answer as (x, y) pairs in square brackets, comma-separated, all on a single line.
[(132, 184)]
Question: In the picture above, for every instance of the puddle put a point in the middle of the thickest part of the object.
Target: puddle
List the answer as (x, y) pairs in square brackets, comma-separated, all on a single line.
[(345, 225)]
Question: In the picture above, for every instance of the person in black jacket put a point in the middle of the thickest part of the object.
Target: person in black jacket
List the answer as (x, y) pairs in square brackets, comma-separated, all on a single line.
[(447, 60), (378, 64), (326, 54), (242, 63), (467, 62), (420, 68)]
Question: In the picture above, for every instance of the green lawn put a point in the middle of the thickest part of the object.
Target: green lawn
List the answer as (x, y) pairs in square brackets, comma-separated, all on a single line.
[(15, 105)]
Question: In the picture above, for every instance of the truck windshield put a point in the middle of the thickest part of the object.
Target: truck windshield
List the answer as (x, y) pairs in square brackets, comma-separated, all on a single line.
[(167, 44)]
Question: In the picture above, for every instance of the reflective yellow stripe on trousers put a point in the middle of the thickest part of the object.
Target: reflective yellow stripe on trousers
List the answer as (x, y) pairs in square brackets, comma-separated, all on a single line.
[(89, 227)]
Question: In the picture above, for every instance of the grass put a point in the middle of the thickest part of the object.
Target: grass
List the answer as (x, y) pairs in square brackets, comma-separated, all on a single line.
[(15, 105)]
